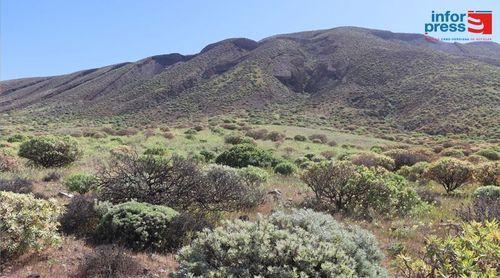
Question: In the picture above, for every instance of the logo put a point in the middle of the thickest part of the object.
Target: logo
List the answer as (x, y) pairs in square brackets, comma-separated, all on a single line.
[(480, 22), (470, 26)]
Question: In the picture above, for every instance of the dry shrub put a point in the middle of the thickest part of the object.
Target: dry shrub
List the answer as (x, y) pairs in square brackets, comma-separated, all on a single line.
[(8, 163), (328, 154), (320, 138), (168, 135), (373, 160), (109, 261), (16, 185), (403, 157), (257, 134)]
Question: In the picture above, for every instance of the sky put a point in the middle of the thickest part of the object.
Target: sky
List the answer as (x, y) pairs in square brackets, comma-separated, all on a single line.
[(52, 37)]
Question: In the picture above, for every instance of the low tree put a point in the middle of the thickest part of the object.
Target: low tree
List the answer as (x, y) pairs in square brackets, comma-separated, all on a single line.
[(450, 172)]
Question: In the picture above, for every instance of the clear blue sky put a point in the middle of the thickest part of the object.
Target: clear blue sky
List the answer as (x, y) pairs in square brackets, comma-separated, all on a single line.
[(50, 37)]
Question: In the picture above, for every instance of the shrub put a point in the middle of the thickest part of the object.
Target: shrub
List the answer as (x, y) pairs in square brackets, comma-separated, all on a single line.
[(450, 172), (358, 190), (139, 226), (51, 176), (404, 157), (233, 139), (299, 137), (207, 155), (16, 185), (155, 151), (257, 133), (109, 261), (328, 154), (488, 173), (285, 168), (246, 155), (490, 192), (474, 253), (175, 182), (50, 151), (275, 136), (452, 153), (80, 182), (8, 163), (485, 205), (81, 216), (320, 138), (415, 172), (489, 154), (26, 223), (373, 160), (17, 138), (332, 143), (253, 176), (301, 244)]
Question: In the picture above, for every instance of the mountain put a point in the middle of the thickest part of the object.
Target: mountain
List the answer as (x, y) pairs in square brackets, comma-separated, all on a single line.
[(343, 77)]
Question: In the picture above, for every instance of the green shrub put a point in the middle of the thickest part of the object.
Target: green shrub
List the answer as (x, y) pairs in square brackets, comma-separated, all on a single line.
[(285, 168), (373, 160), (489, 154), (357, 190), (450, 172), (50, 151), (26, 224), (254, 176), (452, 153), (489, 191), (207, 155), (300, 138), (415, 172), (301, 244), (245, 155), (17, 138), (139, 226), (155, 151), (473, 253), (80, 182)]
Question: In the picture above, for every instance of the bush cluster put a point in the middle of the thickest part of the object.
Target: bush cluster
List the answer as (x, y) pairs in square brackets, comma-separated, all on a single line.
[(488, 173), (16, 185), (303, 243), (474, 253), (245, 155), (485, 205), (50, 151), (414, 172), (357, 190), (176, 182), (285, 168), (8, 163), (26, 224), (81, 216), (373, 160), (81, 182), (403, 157), (139, 226)]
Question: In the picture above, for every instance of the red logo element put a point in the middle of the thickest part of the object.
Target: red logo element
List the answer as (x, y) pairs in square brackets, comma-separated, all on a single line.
[(480, 22)]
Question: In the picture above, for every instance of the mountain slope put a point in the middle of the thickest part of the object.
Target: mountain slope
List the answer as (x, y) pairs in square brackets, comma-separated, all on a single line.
[(344, 76)]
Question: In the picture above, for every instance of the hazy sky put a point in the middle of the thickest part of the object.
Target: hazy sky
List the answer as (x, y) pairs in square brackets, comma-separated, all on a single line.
[(50, 37)]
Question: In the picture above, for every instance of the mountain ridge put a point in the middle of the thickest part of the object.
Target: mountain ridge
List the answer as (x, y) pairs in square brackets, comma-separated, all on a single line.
[(346, 75)]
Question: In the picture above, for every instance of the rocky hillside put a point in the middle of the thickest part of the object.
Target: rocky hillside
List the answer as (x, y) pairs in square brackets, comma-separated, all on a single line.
[(344, 76)]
